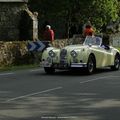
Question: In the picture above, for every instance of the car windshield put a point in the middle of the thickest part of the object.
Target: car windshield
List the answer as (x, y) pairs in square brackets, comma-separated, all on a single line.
[(89, 40)]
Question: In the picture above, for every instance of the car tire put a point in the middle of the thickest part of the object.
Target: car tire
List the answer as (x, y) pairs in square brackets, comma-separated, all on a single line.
[(116, 65), (49, 70), (90, 65)]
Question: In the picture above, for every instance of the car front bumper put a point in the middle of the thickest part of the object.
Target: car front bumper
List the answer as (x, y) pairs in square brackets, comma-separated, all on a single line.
[(78, 65), (64, 65)]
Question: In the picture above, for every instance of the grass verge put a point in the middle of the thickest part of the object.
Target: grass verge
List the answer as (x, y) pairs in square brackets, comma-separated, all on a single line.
[(20, 67)]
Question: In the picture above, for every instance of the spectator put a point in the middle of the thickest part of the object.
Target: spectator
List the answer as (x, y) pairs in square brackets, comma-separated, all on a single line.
[(48, 35), (44, 25), (87, 23), (88, 31)]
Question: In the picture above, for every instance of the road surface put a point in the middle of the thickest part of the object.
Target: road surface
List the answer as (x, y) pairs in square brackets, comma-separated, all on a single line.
[(33, 95)]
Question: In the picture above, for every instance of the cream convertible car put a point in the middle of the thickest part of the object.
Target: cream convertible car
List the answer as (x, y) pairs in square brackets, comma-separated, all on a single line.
[(95, 52)]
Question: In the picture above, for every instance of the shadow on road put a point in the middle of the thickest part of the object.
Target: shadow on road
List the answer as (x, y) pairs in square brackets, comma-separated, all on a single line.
[(89, 105), (75, 72)]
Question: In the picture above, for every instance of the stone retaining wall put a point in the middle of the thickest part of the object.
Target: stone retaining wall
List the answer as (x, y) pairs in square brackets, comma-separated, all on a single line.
[(12, 53), (16, 53)]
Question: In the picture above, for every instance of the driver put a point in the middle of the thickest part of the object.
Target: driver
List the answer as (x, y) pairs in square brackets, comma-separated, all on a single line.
[(105, 41)]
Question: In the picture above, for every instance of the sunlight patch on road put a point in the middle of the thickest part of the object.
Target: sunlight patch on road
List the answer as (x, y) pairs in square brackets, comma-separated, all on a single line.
[(108, 103)]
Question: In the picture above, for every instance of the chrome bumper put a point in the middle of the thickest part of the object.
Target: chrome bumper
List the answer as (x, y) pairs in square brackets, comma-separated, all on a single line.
[(64, 65), (45, 64), (78, 65)]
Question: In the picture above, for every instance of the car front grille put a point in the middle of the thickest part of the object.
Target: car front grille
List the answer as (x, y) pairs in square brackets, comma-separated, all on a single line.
[(63, 55)]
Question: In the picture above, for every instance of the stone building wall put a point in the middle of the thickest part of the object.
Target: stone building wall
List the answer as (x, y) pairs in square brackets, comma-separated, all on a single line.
[(17, 21), (10, 15)]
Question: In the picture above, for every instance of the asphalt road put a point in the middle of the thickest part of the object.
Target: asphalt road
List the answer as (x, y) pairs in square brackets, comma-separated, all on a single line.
[(66, 95)]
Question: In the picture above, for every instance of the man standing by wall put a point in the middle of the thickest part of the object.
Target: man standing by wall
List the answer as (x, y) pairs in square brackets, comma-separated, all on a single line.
[(48, 34)]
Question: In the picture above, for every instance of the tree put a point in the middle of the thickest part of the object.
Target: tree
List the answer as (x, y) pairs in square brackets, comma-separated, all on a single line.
[(99, 11), (105, 11)]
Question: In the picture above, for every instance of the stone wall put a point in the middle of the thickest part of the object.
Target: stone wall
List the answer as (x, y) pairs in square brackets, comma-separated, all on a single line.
[(16, 21), (16, 53), (12, 53), (116, 39), (10, 15)]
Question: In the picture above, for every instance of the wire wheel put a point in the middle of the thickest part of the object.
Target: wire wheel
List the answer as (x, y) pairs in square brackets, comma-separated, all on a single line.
[(116, 65), (90, 65)]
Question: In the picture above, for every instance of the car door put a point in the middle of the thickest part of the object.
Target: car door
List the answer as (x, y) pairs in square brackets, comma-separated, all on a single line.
[(105, 57), (101, 57), (101, 53), (109, 55)]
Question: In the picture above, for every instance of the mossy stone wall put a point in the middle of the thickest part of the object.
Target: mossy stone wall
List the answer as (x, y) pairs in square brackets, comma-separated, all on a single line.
[(16, 53)]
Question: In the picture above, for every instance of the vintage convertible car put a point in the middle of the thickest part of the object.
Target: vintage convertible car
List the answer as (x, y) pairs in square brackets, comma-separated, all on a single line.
[(94, 52)]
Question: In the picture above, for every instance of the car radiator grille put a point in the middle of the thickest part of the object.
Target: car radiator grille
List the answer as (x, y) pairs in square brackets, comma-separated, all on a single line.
[(63, 56)]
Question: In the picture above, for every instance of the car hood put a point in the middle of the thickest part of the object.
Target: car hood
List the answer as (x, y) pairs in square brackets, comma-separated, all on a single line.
[(68, 48), (75, 47)]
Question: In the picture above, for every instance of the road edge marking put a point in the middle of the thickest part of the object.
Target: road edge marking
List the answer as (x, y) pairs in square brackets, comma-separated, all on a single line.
[(4, 74), (97, 79), (35, 70), (32, 94)]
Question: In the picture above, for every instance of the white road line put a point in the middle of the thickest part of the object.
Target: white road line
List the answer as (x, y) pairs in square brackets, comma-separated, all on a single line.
[(87, 94), (59, 117), (4, 74), (97, 79), (32, 94), (36, 70)]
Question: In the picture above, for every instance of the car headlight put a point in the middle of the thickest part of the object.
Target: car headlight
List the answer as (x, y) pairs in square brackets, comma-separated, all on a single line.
[(51, 53), (73, 53)]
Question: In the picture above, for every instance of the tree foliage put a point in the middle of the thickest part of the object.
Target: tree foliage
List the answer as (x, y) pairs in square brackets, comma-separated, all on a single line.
[(99, 11)]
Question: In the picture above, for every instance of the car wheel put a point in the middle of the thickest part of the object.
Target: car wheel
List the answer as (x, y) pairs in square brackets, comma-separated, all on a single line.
[(49, 70), (116, 65), (90, 65)]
